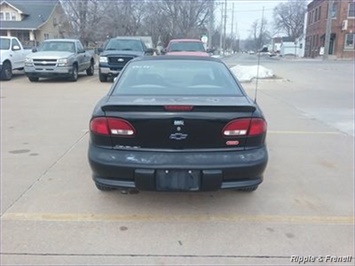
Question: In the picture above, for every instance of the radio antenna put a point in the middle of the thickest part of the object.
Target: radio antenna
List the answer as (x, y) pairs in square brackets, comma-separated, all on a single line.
[(257, 69)]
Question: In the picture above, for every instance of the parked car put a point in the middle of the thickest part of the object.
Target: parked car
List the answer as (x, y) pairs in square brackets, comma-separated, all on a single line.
[(12, 56), (177, 123), (193, 47), (59, 58), (117, 52)]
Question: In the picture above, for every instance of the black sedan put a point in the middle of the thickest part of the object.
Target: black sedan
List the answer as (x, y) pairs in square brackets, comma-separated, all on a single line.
[(176, 123)]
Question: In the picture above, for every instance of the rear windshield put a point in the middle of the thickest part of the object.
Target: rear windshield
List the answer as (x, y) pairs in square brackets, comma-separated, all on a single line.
[(176, 77), (57, 46), (4, 44), (186, 47), (125, 45)]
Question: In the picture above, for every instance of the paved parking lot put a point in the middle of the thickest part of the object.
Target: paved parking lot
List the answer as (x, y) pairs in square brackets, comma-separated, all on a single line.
[(53, 214)]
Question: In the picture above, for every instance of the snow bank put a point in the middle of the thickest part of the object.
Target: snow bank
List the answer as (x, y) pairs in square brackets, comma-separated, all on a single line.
[(248, 73)]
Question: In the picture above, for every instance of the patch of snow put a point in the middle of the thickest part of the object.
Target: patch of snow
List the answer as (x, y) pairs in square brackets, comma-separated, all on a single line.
[(248, 73)]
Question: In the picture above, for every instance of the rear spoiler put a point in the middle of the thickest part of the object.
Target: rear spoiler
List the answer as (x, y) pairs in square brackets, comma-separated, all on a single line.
[(162, 108)]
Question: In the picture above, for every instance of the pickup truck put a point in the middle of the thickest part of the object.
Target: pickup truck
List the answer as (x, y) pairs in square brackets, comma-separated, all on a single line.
[(117, 52), (12, 56), (59, 58)]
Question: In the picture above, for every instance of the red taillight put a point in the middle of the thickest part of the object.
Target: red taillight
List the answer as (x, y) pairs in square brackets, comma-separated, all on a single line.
[(120, 127), (111, 126), (245, 127), (258, 126), (184, 108), (99, 126)]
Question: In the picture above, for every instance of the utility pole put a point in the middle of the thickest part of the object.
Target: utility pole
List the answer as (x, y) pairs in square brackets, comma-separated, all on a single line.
[(232, 25), (260, 44), (328, 30), (225, 26), (220, 32), (211, 22)]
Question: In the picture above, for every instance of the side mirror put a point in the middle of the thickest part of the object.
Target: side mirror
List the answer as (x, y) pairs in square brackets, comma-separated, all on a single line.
[(34, 49), (210, 50), (16, 48), (100, 50), (163, 51), (149, 51)]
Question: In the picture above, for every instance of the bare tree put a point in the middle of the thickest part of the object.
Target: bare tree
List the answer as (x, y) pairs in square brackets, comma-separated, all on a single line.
[(95, 20), (185, 18), (85, 17), (259, 34), (289, 17)]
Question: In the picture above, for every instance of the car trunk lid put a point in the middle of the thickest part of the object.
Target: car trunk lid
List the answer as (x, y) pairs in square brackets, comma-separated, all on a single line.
[(178, 123)]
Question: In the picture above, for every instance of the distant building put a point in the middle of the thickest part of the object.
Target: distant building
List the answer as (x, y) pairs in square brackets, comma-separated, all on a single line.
[(300, 41), (33, 21), (342, 31), (288, 46), (276, 44)]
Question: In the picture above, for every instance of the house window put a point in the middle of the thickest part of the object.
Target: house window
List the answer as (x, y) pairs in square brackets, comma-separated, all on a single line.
[(309, 18), (46, 36), (316, 15), (334, 10), (7, 16), (349, 41), (351, 10), (319, 12)]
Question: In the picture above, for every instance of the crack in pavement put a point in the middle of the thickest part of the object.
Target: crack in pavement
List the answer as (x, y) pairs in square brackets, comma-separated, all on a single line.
[(145, 255)]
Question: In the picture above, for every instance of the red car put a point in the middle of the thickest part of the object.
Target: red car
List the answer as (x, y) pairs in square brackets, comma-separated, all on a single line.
[(192, 47)]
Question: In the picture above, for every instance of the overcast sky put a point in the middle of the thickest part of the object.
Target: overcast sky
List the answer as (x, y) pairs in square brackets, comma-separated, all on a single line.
[(245, 13)]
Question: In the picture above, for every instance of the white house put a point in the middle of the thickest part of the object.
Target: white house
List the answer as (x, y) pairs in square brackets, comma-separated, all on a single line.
[(288, 47), (301, 40)]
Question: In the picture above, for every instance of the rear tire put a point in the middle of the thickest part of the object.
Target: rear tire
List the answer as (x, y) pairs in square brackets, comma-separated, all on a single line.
[(74, 74), (102, 77), (33, 79), (103, 187), (90, 71), (6, 72), (249, 189)]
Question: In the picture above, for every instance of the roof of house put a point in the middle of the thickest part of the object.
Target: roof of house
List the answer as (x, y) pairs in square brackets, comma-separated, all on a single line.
[(36, 13)]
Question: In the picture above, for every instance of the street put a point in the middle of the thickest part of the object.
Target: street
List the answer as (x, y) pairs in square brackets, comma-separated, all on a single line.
[(52, 214)]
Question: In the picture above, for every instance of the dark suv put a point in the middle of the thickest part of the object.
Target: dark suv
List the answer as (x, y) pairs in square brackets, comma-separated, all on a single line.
[(117, 52)]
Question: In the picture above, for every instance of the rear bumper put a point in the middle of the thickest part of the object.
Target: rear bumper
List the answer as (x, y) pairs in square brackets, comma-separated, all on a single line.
[(145, 170)]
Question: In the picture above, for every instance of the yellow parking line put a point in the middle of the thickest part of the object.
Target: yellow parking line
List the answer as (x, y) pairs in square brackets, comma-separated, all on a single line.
[(305, 132), (82, 217)]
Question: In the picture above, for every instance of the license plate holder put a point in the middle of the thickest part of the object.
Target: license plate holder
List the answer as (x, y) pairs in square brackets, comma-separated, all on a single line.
[(178, 180)]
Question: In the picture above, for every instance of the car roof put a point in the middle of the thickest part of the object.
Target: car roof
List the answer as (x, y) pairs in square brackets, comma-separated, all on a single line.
[(61, 40), (185, 40), (189, 53), (128, 38), (177, 57)]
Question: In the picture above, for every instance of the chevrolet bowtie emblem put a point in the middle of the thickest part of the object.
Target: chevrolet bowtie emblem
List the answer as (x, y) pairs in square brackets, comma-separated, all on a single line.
[(178, 136)]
